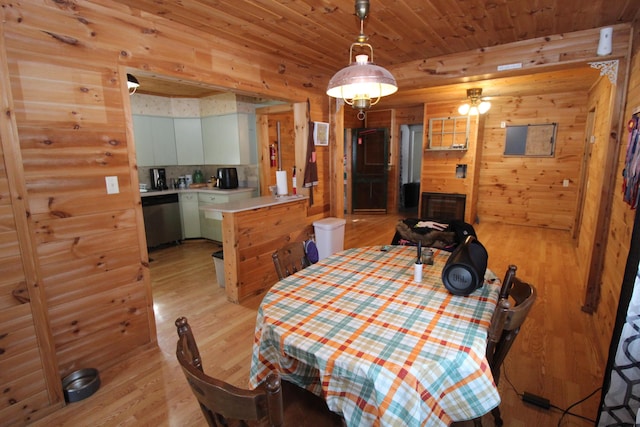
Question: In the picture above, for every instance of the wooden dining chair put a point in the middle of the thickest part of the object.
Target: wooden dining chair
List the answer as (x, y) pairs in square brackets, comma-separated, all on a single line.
[(290, 259), (274, 403), (514, 303)]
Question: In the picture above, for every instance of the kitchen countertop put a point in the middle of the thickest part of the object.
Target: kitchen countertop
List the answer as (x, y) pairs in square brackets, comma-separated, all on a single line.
[(249, 204), (197, 190)]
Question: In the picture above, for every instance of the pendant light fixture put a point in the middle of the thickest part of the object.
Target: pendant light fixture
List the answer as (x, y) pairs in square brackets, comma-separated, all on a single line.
[(362, 83), (132, 83), (475, 105)]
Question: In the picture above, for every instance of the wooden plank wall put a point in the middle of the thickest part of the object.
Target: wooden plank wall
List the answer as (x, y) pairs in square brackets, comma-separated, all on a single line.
[(28, 363), (621, 221), (22, 369), (87, 242), (294, 131), (66, 65), (599, 103), (319, 205), (254, 235), (66, 62), (529, 190), (439, 166)]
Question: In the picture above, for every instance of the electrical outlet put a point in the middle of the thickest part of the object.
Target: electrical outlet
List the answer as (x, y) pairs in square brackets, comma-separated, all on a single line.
[(112, 184), (565, 183), (503, 125)]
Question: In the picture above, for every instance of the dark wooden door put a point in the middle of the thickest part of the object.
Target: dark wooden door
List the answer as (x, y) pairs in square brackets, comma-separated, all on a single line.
[(370, 156)]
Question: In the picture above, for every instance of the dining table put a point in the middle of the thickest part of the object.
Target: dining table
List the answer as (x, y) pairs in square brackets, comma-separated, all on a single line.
[(381, 348)]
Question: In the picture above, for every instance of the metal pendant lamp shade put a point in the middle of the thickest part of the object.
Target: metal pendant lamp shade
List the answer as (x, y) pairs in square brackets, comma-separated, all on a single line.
[(362, 83), (362, 80)]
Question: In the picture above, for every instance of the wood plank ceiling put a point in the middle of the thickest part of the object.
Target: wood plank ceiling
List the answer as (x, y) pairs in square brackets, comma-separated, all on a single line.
[(317, 33)]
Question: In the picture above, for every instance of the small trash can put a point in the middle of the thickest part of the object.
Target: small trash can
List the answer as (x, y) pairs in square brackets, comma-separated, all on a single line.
[(218, 262), (329, 236)]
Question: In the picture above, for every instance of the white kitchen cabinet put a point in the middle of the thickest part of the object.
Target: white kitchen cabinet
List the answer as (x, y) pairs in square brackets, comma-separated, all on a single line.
[(227, 139), (164, 141), (190, 216), (188, 132), (155, 141), (143, 140), (211, 228)]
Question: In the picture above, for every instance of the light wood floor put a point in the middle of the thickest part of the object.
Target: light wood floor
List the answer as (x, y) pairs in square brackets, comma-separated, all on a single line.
[(553, 356)]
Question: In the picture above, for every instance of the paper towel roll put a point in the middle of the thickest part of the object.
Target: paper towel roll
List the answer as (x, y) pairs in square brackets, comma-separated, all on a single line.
[(281, 183)]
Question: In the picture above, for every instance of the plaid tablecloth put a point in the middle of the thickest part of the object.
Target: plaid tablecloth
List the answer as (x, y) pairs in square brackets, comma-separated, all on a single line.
[(382, 349)]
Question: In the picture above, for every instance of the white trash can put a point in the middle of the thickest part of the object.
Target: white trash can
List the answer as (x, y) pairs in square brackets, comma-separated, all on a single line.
[(329, 236)]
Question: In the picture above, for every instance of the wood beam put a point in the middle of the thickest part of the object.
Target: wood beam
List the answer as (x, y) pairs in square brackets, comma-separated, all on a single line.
[(608, 190), (519, 58)]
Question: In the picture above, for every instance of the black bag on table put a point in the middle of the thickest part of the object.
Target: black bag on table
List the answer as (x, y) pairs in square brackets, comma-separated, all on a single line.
[(448, 235)]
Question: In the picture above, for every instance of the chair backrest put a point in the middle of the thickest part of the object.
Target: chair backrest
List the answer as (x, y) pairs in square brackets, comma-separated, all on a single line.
[(515, 301), (290, 259), (221, 403)]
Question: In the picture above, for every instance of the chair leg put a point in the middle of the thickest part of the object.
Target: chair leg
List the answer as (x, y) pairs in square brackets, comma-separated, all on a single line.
[(496, 416), (477, 422)]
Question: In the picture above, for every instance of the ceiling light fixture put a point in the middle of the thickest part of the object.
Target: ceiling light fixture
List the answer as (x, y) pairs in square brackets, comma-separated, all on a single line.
[(132, 83), (476, 105), (362, 83)]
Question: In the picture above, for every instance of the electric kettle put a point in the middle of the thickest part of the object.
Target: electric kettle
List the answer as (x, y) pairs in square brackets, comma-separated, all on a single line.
[(228, 178)]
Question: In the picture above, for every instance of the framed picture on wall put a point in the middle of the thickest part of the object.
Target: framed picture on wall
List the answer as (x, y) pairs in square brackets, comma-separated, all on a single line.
[(320, 133)]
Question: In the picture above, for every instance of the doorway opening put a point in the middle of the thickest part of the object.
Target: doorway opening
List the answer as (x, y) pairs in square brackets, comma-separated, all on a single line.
[(370, 148), (410, 166)]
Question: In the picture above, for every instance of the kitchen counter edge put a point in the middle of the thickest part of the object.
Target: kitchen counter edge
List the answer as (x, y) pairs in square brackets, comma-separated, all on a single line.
[(198, 190), (253, 203)]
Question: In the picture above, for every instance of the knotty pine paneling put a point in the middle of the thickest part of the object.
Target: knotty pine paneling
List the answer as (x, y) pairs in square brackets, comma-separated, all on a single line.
[(528, 190), (71, 120), (439, 166), (61, 252), (24, 375), (65, 67), (620, 225), (255, 234), (599, 102), (103, 29), (25, 392), (70, 110), (294, 132)]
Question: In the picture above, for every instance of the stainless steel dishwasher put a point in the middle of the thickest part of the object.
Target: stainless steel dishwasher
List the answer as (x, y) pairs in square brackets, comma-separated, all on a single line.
[(161, 219)]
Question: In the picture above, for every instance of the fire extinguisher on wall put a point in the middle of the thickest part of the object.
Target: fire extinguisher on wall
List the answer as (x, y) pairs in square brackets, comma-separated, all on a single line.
[(294, 181), (272, 154)]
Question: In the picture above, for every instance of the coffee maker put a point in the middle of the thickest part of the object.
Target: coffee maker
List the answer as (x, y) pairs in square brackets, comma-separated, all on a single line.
[(158, 179)]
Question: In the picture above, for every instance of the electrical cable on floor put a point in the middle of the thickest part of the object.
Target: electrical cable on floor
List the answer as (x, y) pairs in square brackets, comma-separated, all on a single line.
[(552, 406), (506, 377), (566, 411)]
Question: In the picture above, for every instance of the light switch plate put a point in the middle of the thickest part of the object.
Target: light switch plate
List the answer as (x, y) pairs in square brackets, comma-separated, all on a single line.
[(112, 184)]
